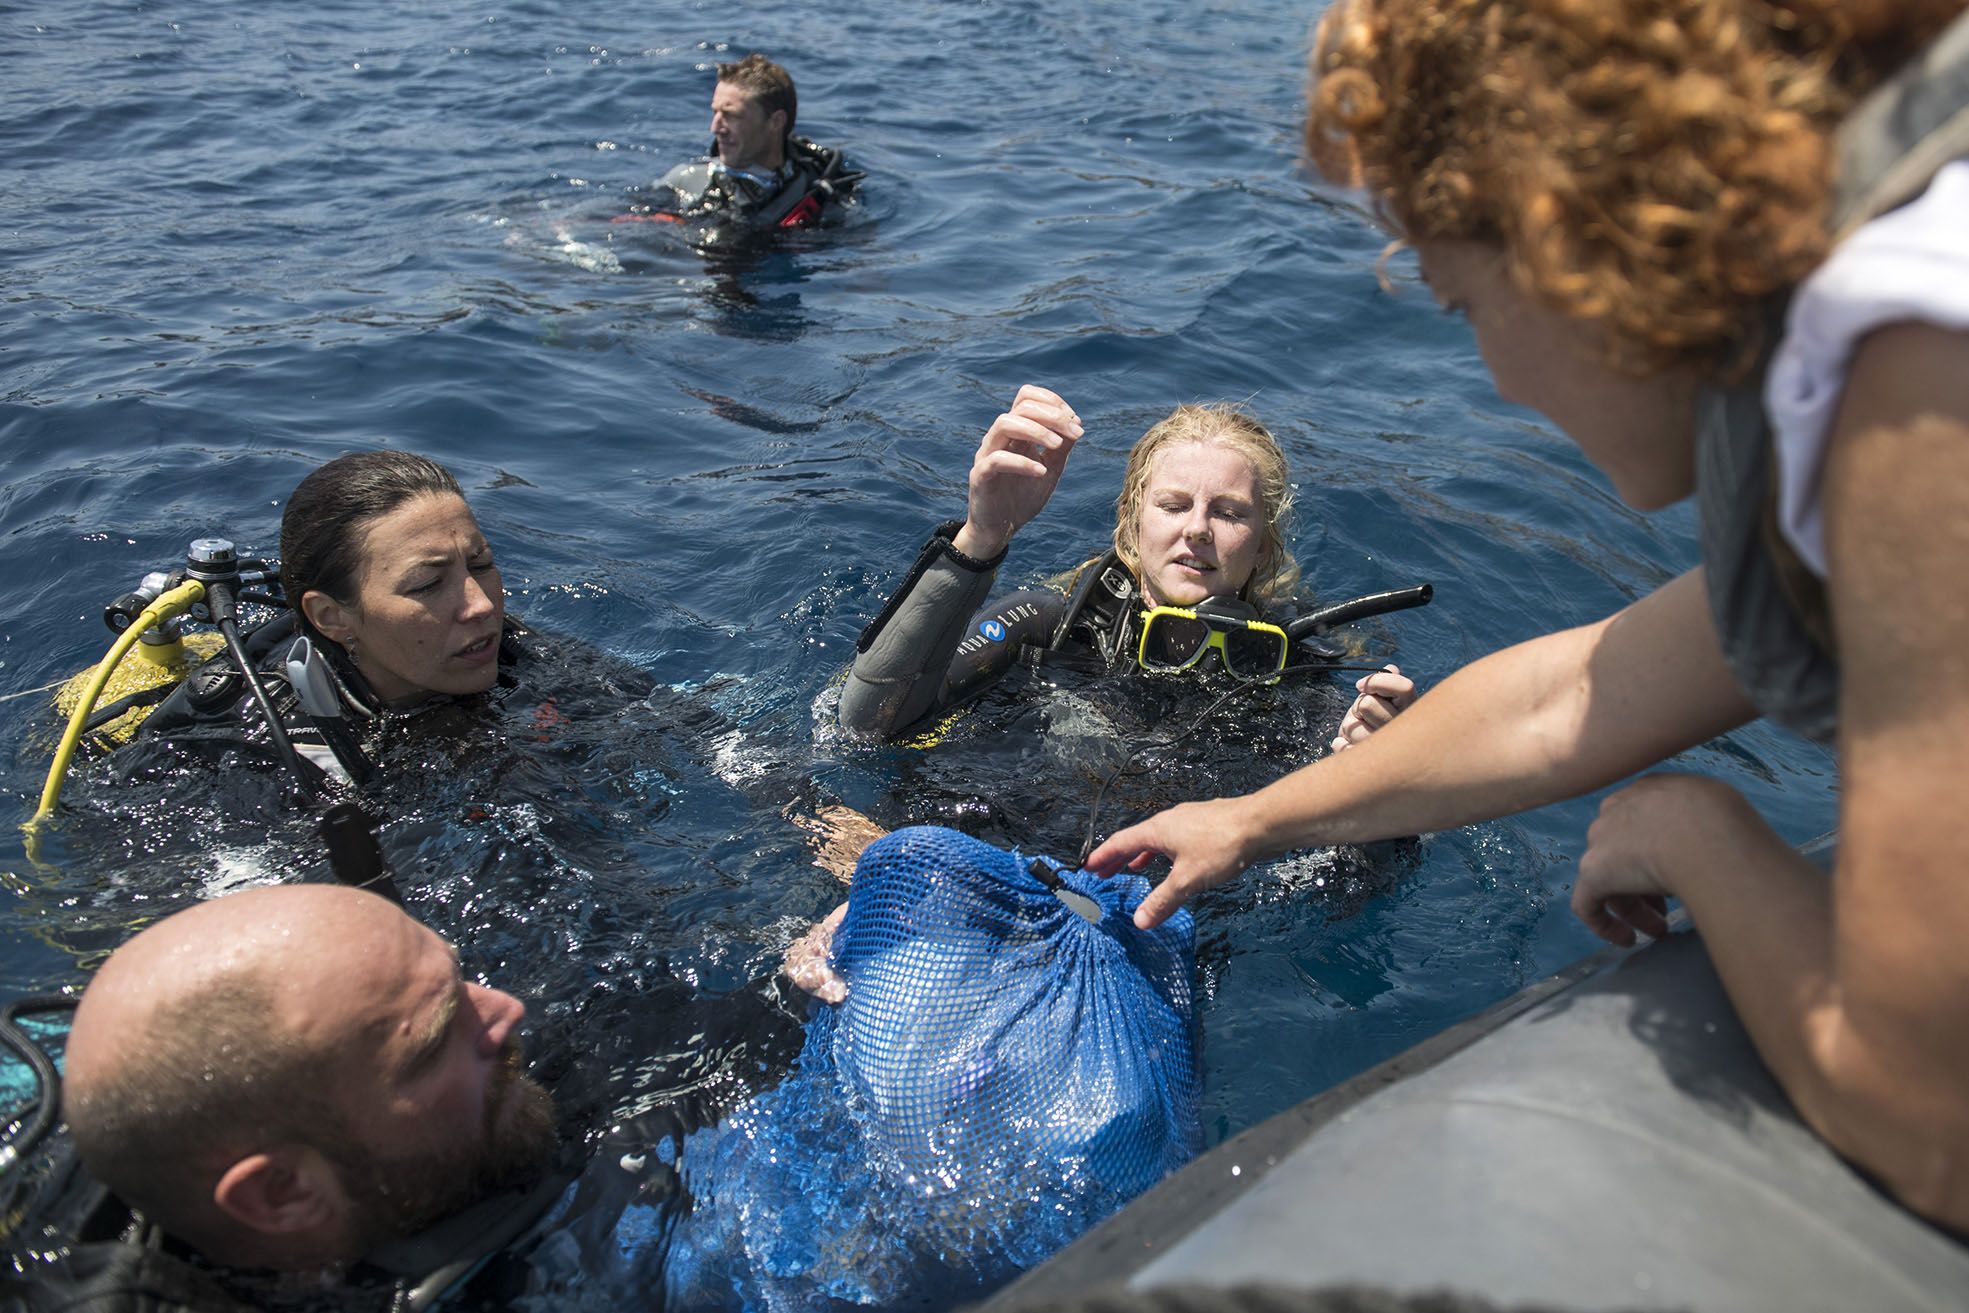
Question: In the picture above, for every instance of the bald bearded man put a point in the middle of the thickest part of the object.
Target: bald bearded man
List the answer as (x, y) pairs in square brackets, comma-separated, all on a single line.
[(290, 1078)]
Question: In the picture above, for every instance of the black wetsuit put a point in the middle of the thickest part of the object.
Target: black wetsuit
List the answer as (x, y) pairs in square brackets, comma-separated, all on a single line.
[(212, 710), (1030, 702), (812, 185), (933, 646)]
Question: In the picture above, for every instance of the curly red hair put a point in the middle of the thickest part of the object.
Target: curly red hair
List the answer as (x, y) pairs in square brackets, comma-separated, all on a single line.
[(1660, 168)]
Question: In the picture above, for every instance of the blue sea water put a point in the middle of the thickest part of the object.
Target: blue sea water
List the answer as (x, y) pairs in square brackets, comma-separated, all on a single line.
[(240, 240)]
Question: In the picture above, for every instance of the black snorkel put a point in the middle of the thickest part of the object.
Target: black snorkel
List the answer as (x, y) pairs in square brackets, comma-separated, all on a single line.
[(1340, 613)]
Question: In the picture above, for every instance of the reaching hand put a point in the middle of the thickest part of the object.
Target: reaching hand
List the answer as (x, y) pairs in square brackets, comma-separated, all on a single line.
[(837, 834), (1201, 840), (1382, 697), (1016, 469)]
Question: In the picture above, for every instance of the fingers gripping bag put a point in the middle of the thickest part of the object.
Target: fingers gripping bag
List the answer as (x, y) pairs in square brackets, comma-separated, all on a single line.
[(1003, 1074)]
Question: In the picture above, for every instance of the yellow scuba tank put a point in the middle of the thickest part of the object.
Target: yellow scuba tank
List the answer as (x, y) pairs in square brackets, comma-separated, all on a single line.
[(157, 661), (154, 610)]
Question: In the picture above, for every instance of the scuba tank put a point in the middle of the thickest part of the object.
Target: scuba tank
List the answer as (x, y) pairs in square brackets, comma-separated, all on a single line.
[(158, 657), (164, 654)]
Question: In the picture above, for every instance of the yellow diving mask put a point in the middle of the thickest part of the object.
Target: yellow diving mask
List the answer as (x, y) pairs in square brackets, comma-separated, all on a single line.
[(1175, 638)]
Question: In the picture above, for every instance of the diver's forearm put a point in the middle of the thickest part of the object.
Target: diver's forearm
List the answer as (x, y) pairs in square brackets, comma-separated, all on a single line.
[(1479, 745), (903, 656)]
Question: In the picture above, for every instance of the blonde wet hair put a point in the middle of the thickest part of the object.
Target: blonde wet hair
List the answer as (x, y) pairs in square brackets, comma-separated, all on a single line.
[(1275, 573)]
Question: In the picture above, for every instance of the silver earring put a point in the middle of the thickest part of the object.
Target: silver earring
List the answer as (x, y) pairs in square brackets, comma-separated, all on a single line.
[(350, 648)]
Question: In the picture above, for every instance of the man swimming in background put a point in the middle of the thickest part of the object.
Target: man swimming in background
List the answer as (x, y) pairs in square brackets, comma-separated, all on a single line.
[(759, 175)]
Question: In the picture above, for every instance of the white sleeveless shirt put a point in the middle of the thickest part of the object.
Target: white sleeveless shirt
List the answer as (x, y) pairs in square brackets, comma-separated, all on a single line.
[(1911, 264)]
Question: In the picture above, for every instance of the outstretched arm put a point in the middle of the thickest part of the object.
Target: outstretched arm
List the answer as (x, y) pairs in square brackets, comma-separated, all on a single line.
[(1532, 724), (903, 657), (1856, 992)]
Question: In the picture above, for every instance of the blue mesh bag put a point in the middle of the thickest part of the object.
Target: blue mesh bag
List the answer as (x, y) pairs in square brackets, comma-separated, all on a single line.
[(1003, 1074)]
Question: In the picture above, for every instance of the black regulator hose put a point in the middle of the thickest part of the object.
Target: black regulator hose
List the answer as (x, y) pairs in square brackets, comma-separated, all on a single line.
[(229, 627), (47, 1080), (212, 563)]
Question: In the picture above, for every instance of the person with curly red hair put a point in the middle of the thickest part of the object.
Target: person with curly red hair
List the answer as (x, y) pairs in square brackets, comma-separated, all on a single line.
[(1722, 245)]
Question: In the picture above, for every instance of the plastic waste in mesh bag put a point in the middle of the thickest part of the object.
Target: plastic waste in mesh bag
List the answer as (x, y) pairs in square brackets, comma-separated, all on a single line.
[(1002, 1075)]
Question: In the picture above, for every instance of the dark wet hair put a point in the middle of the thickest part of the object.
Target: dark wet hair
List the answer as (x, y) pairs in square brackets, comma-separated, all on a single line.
[(769, 85), (321, 531)]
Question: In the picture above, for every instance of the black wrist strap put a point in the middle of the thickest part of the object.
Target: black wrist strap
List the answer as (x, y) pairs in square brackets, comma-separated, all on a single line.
[(941, 544), (944, 538)]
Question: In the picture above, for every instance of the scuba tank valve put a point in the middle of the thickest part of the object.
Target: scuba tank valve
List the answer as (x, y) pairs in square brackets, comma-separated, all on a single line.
[(123, 612), (213, 563), (163, 656)]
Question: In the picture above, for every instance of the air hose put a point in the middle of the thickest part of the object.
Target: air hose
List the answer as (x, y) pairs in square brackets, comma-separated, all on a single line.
[(168, 606), (37, 1122)]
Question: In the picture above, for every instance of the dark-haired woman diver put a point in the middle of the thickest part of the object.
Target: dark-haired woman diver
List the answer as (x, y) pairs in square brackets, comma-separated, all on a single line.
[(395, 607), (395, 632)]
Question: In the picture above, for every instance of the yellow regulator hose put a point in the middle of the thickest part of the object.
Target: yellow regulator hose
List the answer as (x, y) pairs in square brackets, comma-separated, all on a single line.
[(168, 606)]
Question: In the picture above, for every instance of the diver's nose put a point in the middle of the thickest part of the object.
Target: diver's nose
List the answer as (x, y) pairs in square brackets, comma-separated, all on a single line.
[(499, 1015), (478, 599), (1197, 528)]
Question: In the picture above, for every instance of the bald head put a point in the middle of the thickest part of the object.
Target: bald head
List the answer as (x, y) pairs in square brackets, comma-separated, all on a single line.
[(206, 1038), (279, 942), (286, 1076)]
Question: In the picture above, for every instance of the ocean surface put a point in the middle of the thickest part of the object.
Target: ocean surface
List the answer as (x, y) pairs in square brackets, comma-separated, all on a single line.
[(240, 240)]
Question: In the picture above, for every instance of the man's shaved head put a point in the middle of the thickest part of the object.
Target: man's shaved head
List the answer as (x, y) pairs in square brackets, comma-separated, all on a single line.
[(267, 1032)]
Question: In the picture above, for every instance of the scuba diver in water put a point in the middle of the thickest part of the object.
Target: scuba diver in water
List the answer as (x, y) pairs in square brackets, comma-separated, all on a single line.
[(292, 1090), (759, 175), (387, 674), (1198, 574), (390, 614), (1198, 578), (296, 1093), (395, 608)]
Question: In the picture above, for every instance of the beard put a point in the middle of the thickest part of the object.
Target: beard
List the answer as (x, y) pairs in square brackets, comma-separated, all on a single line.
[(408, 1193)]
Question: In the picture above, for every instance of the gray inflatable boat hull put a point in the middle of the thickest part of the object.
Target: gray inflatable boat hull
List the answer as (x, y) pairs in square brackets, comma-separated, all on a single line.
[(1606, 1139)]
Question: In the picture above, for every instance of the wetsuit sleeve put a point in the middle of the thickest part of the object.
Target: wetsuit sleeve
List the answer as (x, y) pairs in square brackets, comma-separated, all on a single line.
[(903, 658)]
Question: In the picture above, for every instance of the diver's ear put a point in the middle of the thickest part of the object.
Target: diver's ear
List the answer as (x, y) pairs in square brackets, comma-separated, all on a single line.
[(777, 121), (284, 1192), (330, 618)]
